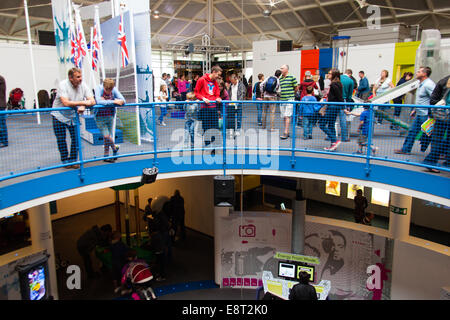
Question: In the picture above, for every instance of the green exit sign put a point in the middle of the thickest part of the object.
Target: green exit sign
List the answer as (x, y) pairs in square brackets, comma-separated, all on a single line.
[(397, 210)]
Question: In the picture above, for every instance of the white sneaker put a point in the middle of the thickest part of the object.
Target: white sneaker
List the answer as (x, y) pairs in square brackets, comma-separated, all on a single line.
[(335, 145), (163, 123)]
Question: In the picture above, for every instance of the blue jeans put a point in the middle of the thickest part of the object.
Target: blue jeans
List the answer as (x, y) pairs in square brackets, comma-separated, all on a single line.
[(189, 129), (414, 129), (438, 144), (59, 128), (239, 117), (327, 123), (259, 107), (343, 125), (163, 113), (3, 130), (308, 122)]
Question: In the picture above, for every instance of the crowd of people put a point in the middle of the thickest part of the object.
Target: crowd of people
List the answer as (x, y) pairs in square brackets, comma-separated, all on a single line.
[(207, 92), (165, 228)]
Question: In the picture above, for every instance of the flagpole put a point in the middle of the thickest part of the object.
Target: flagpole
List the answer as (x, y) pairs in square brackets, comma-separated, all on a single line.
[(113, 8), (119, 52), (33, 71), (71, 27), (92, 58), (133, 48), (100, 41)]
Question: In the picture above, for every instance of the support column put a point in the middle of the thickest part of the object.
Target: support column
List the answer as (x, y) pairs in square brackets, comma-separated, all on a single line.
[(117, 211), (399, 216), (127, 217), (298, 221), (136, 216), (42, 239), (219, 212)]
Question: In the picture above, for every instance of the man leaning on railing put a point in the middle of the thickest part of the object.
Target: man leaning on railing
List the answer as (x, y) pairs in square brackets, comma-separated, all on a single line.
[(74, 94)]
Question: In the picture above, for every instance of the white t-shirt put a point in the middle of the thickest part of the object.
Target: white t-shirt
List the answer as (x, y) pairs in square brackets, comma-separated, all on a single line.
[(162, 97), (384, 86), (234, 91), (66, 90)]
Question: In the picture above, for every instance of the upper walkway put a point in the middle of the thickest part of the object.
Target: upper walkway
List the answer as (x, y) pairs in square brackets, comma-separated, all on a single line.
[(31, 171)]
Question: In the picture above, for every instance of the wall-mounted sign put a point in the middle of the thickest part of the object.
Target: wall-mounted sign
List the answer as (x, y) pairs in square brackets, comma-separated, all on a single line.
[(296, 257), (397, 210)]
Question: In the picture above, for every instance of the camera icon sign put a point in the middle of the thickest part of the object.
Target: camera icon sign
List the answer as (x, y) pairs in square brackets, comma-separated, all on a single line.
[(247, 231)]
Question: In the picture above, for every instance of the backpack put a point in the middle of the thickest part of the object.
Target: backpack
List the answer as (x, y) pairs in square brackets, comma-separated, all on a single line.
[(271, 85)]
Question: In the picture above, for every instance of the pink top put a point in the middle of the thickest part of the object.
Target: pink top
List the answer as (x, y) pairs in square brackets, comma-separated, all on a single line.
[(182, 86)]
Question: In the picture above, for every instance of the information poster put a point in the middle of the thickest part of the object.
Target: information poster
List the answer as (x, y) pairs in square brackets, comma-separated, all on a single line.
[(345, 256), (249, 243), (333, 188)]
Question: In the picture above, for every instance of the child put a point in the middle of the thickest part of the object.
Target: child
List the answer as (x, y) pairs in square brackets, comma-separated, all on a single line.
[(108, 96), (363, 131), (308, 112), (190, 116), (136, 278), (162, 98)]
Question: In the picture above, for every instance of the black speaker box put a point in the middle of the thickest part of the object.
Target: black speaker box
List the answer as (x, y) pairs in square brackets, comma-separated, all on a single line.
[(224, 190), (46, 38), (285, 45)]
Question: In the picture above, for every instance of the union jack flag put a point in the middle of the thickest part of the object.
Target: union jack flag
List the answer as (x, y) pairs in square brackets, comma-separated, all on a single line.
[(78, 45), (81, 45), (122, 40), (73, 47), (95, 49)]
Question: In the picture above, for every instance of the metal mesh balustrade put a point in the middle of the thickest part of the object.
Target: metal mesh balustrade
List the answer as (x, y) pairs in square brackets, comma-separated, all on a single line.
[(146, 129), (31, 146), (133, 134)]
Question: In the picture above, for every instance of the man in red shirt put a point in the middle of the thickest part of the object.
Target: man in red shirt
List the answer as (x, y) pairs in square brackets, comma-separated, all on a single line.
[(207, 90)]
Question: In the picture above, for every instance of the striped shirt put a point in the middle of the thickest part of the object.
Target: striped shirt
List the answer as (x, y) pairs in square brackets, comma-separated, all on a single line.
[(287, 85)]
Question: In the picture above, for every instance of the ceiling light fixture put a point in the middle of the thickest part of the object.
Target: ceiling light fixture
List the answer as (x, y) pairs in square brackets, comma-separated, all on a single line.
[(156, 14)]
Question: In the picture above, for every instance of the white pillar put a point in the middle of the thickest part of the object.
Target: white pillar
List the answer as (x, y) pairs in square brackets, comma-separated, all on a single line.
[(219, 212), (399, 216), (298, 222), (42, 239)]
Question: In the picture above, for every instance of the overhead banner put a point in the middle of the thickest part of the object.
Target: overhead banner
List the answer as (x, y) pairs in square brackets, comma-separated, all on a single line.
[(61, 23), (125, 77), (143, 47)]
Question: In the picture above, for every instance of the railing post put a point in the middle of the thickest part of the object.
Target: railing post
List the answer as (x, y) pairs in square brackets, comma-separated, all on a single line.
[(294, 123), (79, 146), (369, 140), (155, 136), (224, 137)]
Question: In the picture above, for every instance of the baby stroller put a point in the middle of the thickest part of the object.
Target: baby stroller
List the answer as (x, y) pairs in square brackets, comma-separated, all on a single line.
[(15, 101), (138, 278)]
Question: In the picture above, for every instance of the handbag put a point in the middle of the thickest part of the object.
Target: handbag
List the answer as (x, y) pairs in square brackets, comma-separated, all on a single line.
[(427, 126), (323, 109)]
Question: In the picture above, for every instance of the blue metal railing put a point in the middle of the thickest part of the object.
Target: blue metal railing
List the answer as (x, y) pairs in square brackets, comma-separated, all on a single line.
[(32, 146)]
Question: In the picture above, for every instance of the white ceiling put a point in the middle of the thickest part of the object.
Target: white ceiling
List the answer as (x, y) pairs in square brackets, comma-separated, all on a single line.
[(238, 23)]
